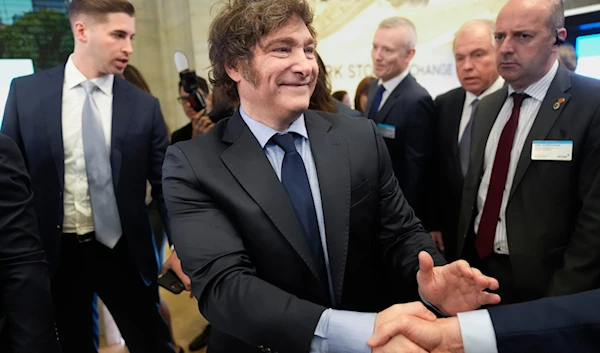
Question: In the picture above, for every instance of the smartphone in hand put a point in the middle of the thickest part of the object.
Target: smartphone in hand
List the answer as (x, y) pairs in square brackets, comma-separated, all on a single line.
[(171, 282)]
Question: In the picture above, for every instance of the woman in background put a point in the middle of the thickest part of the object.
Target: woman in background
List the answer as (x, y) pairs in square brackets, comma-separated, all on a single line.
[(362, 94), (321, 98)]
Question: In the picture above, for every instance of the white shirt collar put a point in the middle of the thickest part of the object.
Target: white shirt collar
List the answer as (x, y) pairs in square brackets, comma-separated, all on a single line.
[(74, 77), (391, 85), (538, 89), (470, 97), (263, 133)]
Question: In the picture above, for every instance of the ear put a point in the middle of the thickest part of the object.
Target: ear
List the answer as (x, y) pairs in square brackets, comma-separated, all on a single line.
[(234, 71), (562, 33), (410, 54), (80, 31)]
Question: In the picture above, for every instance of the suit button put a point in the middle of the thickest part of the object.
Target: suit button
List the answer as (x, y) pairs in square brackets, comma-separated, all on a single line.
[(58, 226), (261, 347), (267, 350), (60, 194), (499, 219)]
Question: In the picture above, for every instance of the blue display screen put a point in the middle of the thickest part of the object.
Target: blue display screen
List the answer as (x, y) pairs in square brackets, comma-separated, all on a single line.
[(588, 52)]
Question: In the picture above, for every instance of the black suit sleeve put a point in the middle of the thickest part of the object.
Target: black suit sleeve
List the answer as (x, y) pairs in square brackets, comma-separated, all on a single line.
[(158, 146), (10, 122), (402, 235), (552, 325), (581, 269), (419, 155), (25, 298), (224, 280)]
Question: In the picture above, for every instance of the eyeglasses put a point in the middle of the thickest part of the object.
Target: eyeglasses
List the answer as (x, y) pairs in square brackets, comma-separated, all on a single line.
[(183, 100)]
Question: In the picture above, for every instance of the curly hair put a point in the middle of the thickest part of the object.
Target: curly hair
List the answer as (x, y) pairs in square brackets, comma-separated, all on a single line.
[(239, 27)]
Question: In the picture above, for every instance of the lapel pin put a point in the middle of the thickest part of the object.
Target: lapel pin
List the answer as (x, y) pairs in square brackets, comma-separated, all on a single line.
[(556, 105)]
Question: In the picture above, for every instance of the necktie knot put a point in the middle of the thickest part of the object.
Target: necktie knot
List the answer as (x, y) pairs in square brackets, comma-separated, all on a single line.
[(285, 141), (88, 86), (380, 90), (475, 104), (518, 99)]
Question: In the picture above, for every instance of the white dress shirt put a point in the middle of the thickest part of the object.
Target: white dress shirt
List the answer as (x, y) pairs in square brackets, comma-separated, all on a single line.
[(390, 86), (468, 106), (77, 208), (529, 110)]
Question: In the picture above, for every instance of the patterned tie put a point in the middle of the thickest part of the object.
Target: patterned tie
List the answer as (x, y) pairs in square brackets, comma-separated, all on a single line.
[(464, 147), (295, 182), (484, 241), (105, 213), (376, 102)]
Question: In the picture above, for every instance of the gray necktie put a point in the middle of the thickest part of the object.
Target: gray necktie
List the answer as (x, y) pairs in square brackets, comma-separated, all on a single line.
[(464, 147), (105, 213)]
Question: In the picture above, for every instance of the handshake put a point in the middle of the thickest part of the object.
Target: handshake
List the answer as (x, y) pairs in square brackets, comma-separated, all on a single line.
[(411, 328), (453, 288)]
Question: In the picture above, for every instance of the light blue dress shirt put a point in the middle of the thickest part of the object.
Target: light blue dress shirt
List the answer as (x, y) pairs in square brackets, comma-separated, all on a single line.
[(477, 331), (337, 330)]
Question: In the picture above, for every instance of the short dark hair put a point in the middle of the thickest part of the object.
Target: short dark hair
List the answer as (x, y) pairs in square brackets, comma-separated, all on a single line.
[(99, 9), (201, 83), (239, 26), (339, 95)]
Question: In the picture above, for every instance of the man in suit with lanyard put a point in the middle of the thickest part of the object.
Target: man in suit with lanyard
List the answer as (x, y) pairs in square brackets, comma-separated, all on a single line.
[(475, 60), (290, 222), (91, 140), (404, 113), (531, 198)]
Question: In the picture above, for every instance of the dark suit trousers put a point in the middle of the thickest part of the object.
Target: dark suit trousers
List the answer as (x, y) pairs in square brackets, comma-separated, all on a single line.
[(87, 269)]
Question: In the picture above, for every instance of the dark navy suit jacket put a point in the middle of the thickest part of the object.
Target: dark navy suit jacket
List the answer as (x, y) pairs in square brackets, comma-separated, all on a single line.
[(33, 119), (550, 325)]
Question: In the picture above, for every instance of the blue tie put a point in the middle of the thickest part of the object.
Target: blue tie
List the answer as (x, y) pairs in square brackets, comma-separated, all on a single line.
[(376, 102), (464, 147), (295, 182), (107, 223)]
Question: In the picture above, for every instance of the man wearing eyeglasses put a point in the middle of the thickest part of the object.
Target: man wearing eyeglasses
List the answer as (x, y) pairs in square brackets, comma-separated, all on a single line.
[(199, 121)]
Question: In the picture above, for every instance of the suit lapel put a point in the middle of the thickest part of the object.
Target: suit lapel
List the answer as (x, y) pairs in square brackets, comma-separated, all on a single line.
[(544, 121), (389, 103), (121, 118), (247, 162), (455, 114), (486, 115), (333, 169), (51, 110)]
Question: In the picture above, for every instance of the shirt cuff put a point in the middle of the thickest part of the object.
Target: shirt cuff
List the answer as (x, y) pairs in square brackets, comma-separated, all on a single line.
[(477, 331), (341, 331)]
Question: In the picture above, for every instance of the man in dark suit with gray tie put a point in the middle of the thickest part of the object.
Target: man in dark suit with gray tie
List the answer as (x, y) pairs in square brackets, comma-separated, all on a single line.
[(404, 113), (290, 222), (531, 199), (26, 318), (475, 61), (91, 140)]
